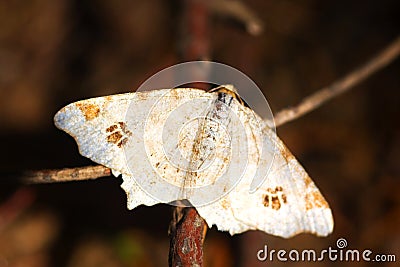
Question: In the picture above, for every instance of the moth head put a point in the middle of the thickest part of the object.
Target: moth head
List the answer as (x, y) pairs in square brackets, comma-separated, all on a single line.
[(226, 88), (229, 89)]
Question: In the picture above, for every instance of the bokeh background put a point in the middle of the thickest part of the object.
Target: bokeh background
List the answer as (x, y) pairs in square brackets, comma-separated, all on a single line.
[(56, 52)]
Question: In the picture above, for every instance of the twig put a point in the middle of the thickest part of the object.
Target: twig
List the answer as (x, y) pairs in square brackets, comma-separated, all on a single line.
[(64, 175), (239, 11), (194, 39), (342, 85)]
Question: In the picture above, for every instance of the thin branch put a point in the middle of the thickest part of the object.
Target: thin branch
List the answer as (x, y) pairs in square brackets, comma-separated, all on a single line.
[(239, 11), (340, 86), (65, 175), (194, 38)]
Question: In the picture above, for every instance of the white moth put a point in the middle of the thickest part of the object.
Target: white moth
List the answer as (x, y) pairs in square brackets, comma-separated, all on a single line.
[(116, 132)]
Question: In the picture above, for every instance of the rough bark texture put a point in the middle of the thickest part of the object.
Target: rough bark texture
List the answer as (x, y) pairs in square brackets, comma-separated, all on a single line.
[(187, 236)]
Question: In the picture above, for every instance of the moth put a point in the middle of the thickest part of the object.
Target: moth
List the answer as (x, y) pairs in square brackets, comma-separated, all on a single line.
[(206, 148)]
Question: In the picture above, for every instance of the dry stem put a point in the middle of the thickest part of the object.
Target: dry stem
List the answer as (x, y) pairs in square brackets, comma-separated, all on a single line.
[(63, 175)]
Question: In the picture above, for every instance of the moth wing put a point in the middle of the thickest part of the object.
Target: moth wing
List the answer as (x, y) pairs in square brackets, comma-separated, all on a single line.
[(286, 204), (91, 123), (103, 133)]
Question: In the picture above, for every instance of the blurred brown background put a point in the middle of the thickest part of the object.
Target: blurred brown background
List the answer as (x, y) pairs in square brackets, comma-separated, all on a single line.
[(55, 52)]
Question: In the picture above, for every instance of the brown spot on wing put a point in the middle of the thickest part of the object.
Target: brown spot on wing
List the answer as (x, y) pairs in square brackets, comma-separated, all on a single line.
[(112, 128), (115, 137), (225, 204), (314, 199), (90, 111), (118, 134), (307, 180), (122, 142), (274, 198), (123, 127)]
